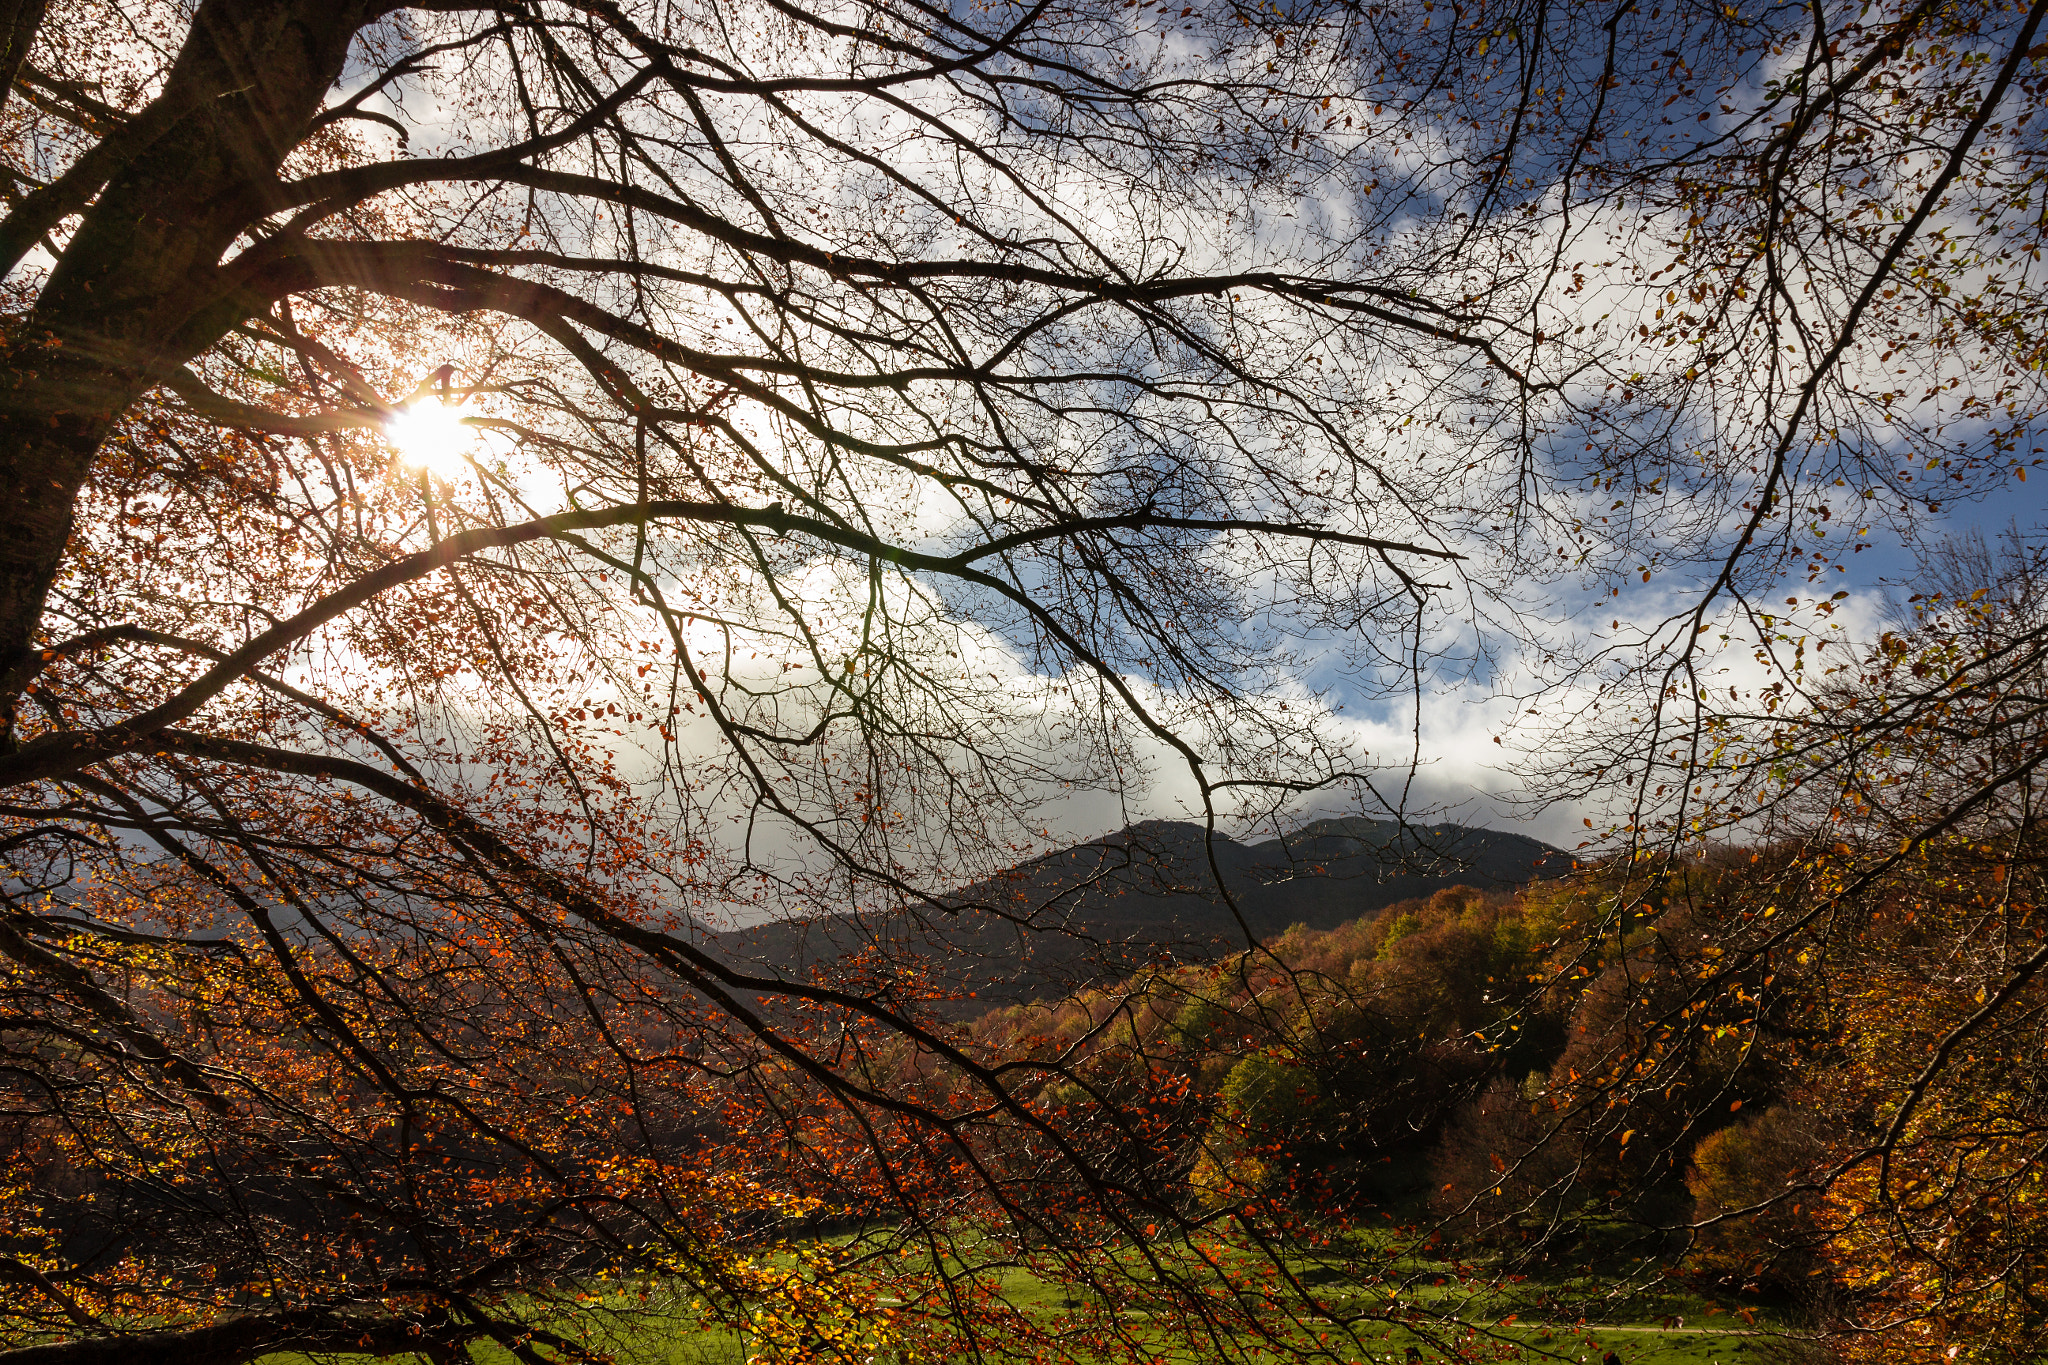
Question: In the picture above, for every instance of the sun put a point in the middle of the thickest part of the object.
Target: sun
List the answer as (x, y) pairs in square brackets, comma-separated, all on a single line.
[(430, 435)]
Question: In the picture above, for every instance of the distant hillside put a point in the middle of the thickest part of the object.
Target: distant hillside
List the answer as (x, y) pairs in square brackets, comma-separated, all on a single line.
[(1096, 911)]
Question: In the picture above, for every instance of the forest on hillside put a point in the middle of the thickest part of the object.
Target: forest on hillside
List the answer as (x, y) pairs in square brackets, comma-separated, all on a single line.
[(1576, 1098)]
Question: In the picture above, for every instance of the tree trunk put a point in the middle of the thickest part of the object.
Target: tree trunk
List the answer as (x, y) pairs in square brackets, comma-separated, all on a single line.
[(19, 20), (139, 290)]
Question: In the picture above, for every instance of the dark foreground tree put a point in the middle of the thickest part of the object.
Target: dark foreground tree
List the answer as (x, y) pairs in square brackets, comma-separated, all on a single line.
[(826, 438)]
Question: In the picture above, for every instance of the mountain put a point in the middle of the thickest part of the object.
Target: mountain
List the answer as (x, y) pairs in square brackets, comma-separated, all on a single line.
[(1093, 913)]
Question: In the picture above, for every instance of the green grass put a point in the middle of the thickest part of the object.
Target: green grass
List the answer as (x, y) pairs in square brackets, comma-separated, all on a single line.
[(650, 1344), (1659, 1327), (1656, 1346)]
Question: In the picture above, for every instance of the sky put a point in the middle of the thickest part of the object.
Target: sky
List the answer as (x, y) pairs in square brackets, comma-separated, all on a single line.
[(1463, 733)]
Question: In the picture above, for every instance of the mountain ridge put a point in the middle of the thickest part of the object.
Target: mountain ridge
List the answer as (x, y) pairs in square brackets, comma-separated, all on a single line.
[(1101, 909)]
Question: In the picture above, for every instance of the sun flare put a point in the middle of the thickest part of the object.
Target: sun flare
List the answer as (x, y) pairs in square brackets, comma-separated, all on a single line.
[(430, 435)]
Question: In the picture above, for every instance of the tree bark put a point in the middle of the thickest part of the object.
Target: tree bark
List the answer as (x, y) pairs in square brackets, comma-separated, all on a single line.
[(19, 20), (139, 290)]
